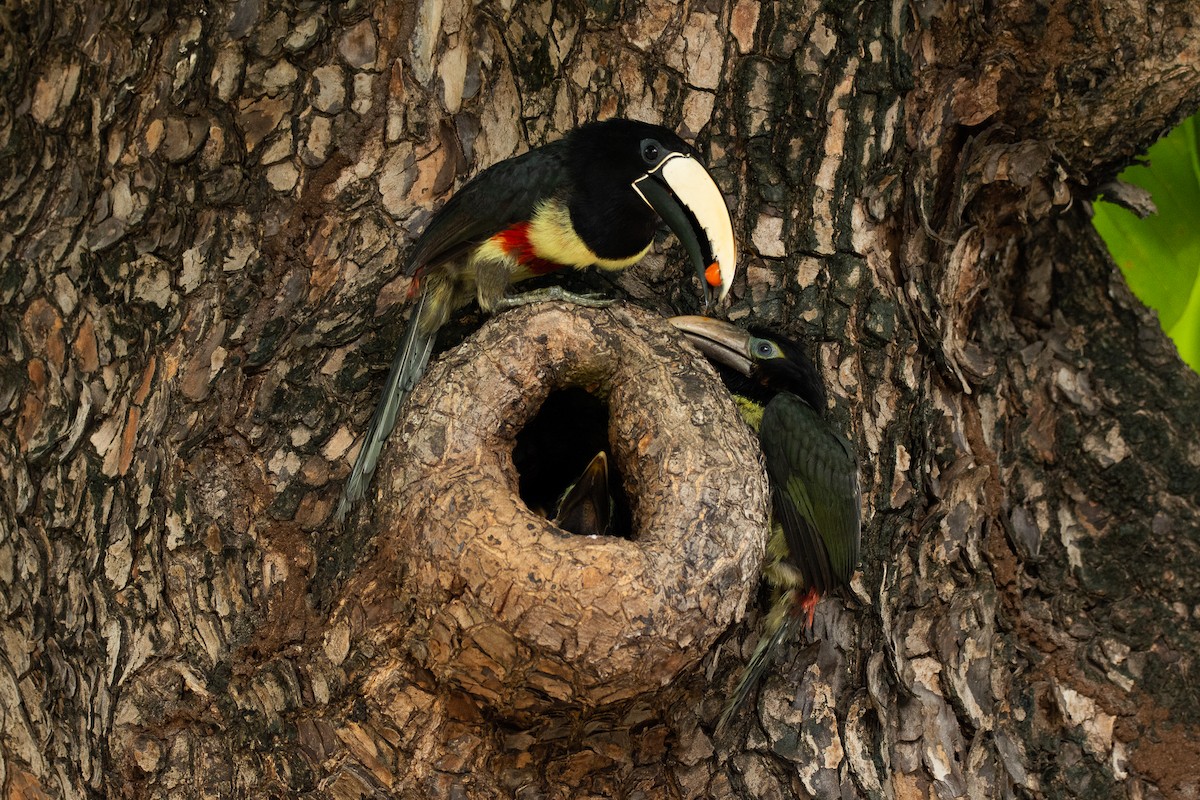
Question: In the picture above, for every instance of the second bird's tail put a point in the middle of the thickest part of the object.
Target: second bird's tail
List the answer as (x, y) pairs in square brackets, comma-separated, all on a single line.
[(778, 631), (407, 368)]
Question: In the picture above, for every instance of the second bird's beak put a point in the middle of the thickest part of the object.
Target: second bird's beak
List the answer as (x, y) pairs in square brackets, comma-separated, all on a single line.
[(687, 198), (719, 341)]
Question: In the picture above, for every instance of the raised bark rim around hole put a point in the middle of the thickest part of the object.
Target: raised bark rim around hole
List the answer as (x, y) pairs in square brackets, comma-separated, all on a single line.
[(520, 615)]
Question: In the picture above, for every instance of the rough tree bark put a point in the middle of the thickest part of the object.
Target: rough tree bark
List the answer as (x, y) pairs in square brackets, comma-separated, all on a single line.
[(202, 212)]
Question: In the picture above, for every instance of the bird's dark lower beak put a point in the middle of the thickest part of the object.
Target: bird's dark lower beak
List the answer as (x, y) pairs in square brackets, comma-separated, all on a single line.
[(682, 192), (720, 341)]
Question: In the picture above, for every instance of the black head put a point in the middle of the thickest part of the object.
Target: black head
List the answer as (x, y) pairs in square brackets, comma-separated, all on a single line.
[(604, 159), (624, 176), (780, 365), (615, 152), (755, 363)]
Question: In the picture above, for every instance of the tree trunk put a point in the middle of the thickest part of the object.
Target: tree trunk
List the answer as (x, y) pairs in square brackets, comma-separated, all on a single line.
[(204, 213)]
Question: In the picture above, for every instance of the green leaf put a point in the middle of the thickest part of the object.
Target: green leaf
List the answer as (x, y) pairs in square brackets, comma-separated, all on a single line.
[(1160, 255), (1186, 331)]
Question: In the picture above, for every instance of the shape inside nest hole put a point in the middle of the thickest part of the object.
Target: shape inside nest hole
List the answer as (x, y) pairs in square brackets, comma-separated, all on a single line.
[(555, 447)]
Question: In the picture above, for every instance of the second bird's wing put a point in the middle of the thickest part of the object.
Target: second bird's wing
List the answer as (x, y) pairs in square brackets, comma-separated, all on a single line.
[(814, 480)]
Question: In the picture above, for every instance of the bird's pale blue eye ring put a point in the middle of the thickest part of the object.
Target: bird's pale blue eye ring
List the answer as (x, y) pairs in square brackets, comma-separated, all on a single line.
[(764, 349)]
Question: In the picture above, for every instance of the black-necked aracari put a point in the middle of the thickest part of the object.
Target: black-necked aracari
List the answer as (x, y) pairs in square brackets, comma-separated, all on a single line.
[(813, 473), (594, 197), (586, 507)]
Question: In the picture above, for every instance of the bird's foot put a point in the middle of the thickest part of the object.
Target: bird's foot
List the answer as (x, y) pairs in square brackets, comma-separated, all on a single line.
[(553, 293)]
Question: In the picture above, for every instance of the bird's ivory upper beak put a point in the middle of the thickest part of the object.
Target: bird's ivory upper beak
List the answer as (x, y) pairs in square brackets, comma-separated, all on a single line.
[(687, 198), (720, 341)]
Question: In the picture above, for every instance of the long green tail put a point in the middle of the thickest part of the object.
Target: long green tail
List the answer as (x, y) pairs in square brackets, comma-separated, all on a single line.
[(407, 368), (780, 627)]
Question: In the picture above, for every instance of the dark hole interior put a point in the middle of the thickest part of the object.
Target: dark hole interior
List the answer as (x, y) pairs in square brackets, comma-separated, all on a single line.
[(554, 449)]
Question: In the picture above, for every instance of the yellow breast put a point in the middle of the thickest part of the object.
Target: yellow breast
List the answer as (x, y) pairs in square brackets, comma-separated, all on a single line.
[(554, 239), (751, 411)]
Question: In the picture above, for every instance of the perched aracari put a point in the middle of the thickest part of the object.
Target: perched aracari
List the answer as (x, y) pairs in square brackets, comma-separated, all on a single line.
[(813, 474), (594, 197), (586, 507)]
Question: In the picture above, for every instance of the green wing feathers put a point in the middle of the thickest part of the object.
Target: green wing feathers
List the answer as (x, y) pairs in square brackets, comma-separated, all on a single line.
[(816, 490)]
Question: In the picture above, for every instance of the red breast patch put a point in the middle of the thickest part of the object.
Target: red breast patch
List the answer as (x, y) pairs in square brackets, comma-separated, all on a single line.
[(515, 242)]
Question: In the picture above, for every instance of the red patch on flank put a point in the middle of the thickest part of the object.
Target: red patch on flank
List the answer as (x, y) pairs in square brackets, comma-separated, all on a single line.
[(514, 241), (807, 606)]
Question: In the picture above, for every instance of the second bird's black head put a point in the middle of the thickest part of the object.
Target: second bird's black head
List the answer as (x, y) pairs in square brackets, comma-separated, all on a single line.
[(756, 363), (783, 366), (626, 175)]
